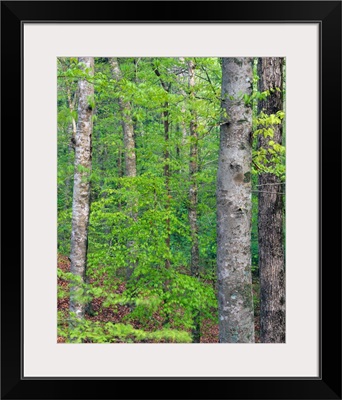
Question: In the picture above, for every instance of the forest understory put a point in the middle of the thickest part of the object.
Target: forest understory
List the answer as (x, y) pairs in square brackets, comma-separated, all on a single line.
[(119, 313)]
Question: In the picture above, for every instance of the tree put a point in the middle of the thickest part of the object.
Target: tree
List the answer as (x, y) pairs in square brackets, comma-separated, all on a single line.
[(236, 314), (66, 124), (270, 213), (193, 193), (166, 122), (81, 193), (127, 125), (129, 150)]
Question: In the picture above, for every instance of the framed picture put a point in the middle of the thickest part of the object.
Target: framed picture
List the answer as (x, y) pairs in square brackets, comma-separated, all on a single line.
[(305, 34)]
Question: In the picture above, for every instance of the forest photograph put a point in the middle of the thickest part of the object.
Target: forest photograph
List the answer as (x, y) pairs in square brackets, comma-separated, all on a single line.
[(171, 183)]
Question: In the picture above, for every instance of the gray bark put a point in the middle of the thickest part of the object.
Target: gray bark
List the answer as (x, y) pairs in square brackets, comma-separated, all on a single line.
[(193, 191), (236, 314), (73, 130), (72, 103), (129, 150), (183, 93), (81, 193), (270, 218), (127, 125), (167, 176)]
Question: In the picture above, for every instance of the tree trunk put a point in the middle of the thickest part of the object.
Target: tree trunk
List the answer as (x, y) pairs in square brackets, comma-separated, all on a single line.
[(81, 193), (236, 314), (193, 169), (166, 123), (127, 125), (167, 177), (270, 217), (71, 103), (129, 151)]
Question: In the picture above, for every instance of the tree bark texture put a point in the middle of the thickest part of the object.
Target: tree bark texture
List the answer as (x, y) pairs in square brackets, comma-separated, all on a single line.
[(81, 192), (127, 125), (270, 217), (72, 103), (129, 150), (193, 192), (166, 122), (236, 314), (167, 177)]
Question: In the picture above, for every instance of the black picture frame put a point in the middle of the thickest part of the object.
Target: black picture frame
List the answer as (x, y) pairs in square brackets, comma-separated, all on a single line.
[(328, 384)]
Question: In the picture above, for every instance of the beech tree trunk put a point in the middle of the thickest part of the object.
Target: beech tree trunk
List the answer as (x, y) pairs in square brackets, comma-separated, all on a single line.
[(193, 169), (127, 125), (236, 314), (81, 193), (72, 103), (270, 217), (129, 151), (167, 176)]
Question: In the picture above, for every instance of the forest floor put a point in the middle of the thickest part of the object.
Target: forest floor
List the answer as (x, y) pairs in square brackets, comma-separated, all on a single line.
[(209, 330)]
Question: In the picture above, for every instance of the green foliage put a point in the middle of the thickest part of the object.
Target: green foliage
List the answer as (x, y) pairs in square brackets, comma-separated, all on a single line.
[(85, 331), (269, 159), (132, 217)]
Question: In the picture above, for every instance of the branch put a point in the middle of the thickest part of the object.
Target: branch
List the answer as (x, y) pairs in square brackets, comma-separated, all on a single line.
[(265, 191), (165, 87), (209, 80), (264, 184)]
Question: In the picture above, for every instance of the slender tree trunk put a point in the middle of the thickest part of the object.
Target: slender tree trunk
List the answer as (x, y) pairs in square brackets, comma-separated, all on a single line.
[(129, 150), (270, 217), (81, 193), (236, 314), (120, 169), (166, 123), (183, 109), (127, 126), (193, 169), (167, 177)]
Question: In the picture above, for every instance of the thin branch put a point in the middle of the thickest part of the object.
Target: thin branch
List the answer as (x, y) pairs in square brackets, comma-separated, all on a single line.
[(203, 98), (165, 87), (266, 184), (265, 191), (208, 162), (209, 80)]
